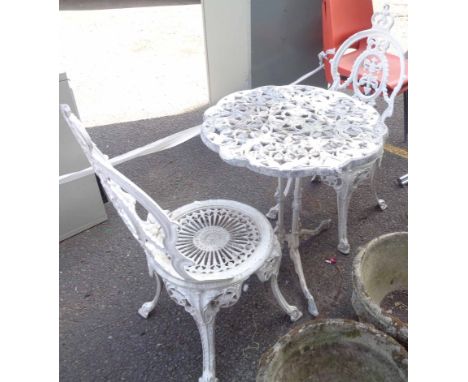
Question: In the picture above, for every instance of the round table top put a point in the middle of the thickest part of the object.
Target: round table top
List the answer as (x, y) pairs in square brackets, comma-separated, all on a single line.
[(293, 130)]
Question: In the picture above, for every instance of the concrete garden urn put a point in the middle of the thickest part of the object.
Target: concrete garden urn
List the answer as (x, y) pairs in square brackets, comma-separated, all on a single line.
[(334, 350), (379, 269)]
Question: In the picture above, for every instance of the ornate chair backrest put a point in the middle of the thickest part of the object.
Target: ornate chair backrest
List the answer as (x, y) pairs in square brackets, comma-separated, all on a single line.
[(124, 195), (370, 71)]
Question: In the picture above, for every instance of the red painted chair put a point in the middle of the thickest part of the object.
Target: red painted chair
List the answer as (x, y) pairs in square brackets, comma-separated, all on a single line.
[(340, 20)]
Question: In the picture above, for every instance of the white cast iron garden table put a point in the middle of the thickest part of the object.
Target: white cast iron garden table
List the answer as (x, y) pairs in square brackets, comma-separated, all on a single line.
[(295, 131)]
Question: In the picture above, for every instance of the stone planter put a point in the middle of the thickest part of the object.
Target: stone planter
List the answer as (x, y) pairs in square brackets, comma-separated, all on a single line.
[(334, 350), (379, 268)]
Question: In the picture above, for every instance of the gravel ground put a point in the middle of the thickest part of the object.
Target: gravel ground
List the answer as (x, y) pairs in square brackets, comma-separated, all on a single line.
[(104, 279)]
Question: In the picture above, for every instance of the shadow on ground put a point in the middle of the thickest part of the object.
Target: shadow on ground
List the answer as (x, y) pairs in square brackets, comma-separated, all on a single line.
[(104, 279), (81, 5)]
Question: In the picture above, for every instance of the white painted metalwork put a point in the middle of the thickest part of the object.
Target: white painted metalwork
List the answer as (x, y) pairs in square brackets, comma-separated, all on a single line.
[(368, 80), (294, 130), (370, 72), (291, 132), (203, 251)]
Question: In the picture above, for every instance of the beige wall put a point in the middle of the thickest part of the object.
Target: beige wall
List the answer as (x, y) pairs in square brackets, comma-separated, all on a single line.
[(227, 42)]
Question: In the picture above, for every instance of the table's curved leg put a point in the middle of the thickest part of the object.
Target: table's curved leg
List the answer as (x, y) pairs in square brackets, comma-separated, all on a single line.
[(296, 258), (294, 247), (294, 313), (273, 211), (380, 202), (269, 271), (306, 233), (279, 195)]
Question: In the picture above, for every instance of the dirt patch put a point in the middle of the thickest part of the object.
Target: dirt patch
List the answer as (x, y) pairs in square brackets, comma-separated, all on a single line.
[(396, 304)]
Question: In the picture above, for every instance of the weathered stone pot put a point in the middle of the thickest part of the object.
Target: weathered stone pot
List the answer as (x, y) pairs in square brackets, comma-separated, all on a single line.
[(334, 350), (379, 268)]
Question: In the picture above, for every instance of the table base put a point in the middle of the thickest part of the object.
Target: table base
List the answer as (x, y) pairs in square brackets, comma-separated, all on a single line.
[(293, 238)]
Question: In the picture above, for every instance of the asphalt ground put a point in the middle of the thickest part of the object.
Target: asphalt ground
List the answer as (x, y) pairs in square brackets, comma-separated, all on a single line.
[(104, 278)]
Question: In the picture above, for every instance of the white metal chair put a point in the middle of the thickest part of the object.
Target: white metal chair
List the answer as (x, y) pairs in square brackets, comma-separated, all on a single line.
[(203, 251), (368, 79)]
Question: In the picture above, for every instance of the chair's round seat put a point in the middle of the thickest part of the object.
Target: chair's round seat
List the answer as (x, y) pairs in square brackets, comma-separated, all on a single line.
[(225, 239)]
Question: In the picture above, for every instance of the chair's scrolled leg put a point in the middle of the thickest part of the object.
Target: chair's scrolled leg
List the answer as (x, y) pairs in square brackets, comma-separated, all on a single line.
[(207, 335), (344, 185), (203, 306), (380, 202), (148, 307)]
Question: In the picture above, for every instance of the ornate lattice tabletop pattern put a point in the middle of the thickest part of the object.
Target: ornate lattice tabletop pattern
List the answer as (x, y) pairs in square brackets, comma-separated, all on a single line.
[(293, 130)]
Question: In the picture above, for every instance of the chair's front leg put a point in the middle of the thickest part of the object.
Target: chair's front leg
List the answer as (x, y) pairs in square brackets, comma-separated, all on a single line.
[(203, 306), (269, 271), (207, 334), (147, 307), (343, 184), (380, 202)]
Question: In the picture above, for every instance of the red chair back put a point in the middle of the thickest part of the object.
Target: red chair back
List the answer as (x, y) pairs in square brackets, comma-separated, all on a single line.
[(340, 20)]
